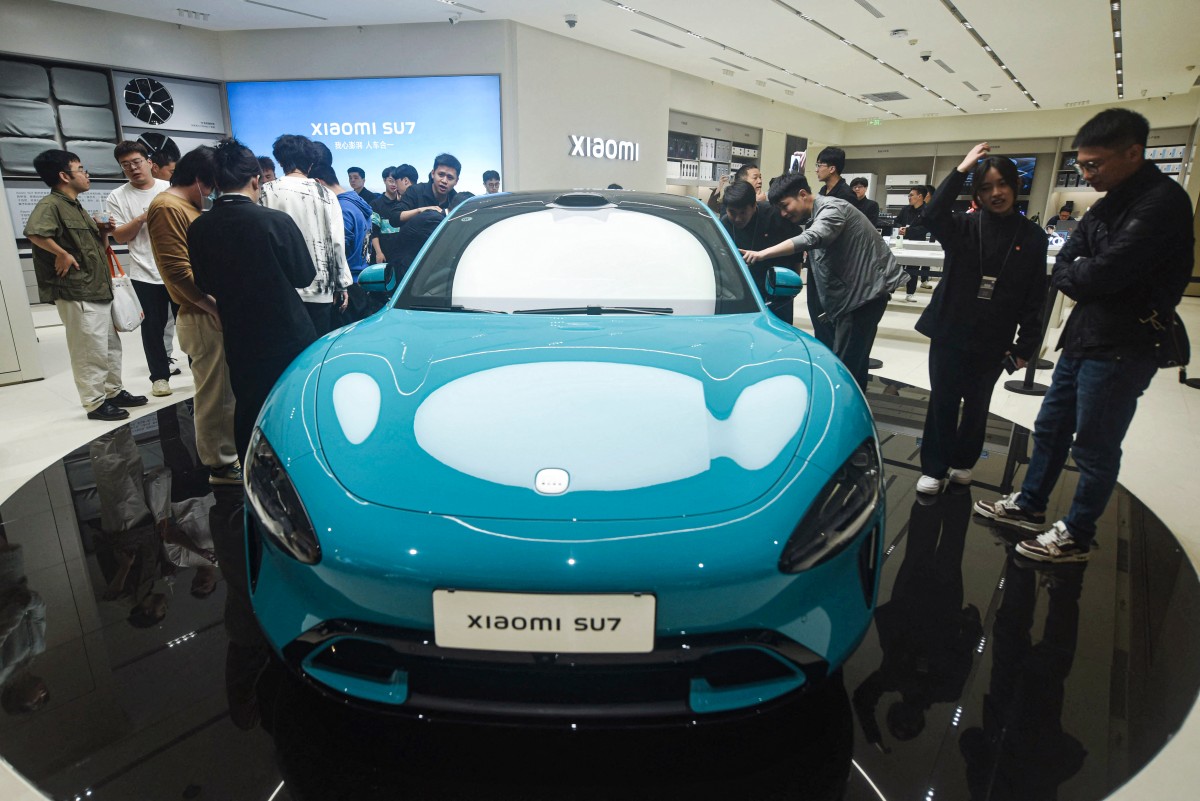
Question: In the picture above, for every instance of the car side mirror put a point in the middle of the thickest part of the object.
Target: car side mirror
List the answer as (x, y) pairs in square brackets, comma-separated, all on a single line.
[(374, 279), (783, 283)]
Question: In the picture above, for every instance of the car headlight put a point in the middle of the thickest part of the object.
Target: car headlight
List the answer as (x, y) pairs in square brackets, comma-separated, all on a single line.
[(845, 504), (275, 504)]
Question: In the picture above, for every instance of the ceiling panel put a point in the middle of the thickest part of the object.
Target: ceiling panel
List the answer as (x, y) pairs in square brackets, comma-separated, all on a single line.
[(1060, 51)]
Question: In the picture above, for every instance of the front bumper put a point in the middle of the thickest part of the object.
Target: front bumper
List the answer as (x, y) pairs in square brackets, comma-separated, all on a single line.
[(683, 677), (720, 649)]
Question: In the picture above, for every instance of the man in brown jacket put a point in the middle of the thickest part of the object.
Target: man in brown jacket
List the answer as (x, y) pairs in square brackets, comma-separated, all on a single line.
[(168, 218)]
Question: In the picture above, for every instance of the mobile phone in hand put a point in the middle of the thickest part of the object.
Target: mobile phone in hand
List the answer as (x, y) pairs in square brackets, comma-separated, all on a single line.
[(1010, 364)]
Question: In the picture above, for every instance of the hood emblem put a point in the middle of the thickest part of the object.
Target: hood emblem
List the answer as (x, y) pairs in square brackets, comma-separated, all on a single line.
[(551, 481)]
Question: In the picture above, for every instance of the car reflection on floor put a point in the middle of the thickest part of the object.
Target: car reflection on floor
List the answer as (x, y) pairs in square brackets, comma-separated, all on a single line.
[(982, 677)]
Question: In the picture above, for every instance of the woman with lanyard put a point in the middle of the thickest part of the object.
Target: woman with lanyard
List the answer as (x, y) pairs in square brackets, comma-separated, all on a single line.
[(993, 286)]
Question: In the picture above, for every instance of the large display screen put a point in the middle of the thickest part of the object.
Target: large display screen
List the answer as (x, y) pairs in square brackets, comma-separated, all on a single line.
[(375, 123)]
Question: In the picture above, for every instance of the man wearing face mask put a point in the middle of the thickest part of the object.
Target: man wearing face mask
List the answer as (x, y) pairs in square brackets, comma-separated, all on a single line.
[(993, 286)]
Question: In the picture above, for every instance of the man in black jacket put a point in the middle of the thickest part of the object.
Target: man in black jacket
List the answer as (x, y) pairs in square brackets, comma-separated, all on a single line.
[(868, 207), (910, 223), (754, 225), (830, 163), (251, 259), (1130, 257)]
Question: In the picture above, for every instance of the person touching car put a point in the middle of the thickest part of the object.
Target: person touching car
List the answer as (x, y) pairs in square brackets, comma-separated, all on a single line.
[(993, 285), (853, 268), (252, 259)]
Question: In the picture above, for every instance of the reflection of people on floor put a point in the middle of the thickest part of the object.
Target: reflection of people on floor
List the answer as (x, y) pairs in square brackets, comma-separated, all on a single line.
[(248, 651), (134, 559), (22, 634), (183, 528), (1021, 752), (926, 634)]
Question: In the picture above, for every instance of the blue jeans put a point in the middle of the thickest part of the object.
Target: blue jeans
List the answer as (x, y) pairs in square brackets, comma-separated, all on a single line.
[(1086, 411)]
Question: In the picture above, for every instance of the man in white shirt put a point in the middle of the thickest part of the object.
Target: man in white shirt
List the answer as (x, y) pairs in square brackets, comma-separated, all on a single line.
[(319, 215), (127, 206)]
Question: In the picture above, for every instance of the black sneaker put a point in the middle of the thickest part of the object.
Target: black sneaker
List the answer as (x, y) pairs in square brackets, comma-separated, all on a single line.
[(1006, 512), (107, 411), (1056, 545), (124, 399), (228, 474)]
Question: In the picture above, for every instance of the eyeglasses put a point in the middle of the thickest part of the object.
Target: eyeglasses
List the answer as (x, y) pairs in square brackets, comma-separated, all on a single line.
[(1088, 167), (77, 169), (129, 165), (823, 164)]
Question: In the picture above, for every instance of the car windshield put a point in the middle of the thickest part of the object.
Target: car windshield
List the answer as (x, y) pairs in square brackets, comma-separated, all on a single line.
[(528, 257)]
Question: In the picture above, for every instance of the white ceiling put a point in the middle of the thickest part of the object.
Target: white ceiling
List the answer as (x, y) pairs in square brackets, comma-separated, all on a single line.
[(1060, 51)]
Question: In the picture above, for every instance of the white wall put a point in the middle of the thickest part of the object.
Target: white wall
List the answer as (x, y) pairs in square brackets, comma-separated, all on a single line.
[(567, 88), (74, 33)]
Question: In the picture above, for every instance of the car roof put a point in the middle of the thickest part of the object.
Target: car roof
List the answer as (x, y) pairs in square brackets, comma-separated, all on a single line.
[(581, 198)]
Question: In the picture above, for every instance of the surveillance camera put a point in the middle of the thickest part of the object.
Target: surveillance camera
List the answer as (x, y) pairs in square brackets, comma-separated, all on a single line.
[(985, 97), (926, 55), (455, 17), (571, 20)]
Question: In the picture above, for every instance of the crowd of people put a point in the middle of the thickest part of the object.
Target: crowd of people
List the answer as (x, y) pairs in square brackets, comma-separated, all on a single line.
[(1125, 267), (274, 263)]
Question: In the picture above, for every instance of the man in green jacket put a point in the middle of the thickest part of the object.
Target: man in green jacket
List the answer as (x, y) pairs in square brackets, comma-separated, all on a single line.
[(72, 273)]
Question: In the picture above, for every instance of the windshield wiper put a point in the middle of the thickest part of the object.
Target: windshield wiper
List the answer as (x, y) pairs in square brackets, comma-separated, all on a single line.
[(599, 310), (465, 309)]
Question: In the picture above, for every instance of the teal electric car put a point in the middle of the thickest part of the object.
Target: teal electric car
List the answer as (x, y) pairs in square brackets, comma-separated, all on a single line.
[(572, 471)]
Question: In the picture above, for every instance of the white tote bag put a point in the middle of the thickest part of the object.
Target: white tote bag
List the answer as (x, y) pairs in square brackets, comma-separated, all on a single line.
[(127, 312)]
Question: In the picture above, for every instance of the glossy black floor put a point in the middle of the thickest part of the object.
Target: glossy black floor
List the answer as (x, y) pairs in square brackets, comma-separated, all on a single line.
[(983, 677)]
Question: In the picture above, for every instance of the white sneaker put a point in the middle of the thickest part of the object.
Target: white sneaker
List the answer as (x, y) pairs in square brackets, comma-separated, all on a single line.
[(960, 475), (910, 298), (160, 388), (929, 485), (926, 285)]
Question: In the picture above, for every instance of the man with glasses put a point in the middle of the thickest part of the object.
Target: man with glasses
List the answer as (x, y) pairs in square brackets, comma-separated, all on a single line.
[(1127, 263), (830, 163), (72, 273), (127, 206)]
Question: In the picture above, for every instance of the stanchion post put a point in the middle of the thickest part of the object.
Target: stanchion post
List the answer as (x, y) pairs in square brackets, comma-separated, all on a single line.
[(1027, 386)]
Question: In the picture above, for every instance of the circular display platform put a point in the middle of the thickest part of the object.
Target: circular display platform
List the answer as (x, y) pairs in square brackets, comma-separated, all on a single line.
[(983, 676)]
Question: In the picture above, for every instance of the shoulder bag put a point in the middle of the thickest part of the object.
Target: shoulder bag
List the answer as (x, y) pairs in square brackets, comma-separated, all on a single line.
[(127, 312)]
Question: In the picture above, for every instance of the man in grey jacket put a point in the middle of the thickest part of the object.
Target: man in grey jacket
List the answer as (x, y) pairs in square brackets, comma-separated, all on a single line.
[(851, 264)]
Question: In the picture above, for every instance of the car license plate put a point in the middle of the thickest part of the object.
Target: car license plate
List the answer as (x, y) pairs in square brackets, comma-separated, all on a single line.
[(510, 621)]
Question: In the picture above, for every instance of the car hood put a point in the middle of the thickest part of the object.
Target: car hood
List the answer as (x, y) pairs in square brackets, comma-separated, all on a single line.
[(584, 418)]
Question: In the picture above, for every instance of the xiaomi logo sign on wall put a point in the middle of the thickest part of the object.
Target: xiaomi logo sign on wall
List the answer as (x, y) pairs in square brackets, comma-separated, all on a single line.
[(593, 147)]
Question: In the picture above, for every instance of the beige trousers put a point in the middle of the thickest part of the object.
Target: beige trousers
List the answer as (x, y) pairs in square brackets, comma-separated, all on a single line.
[(200, 338), (95, 350)]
